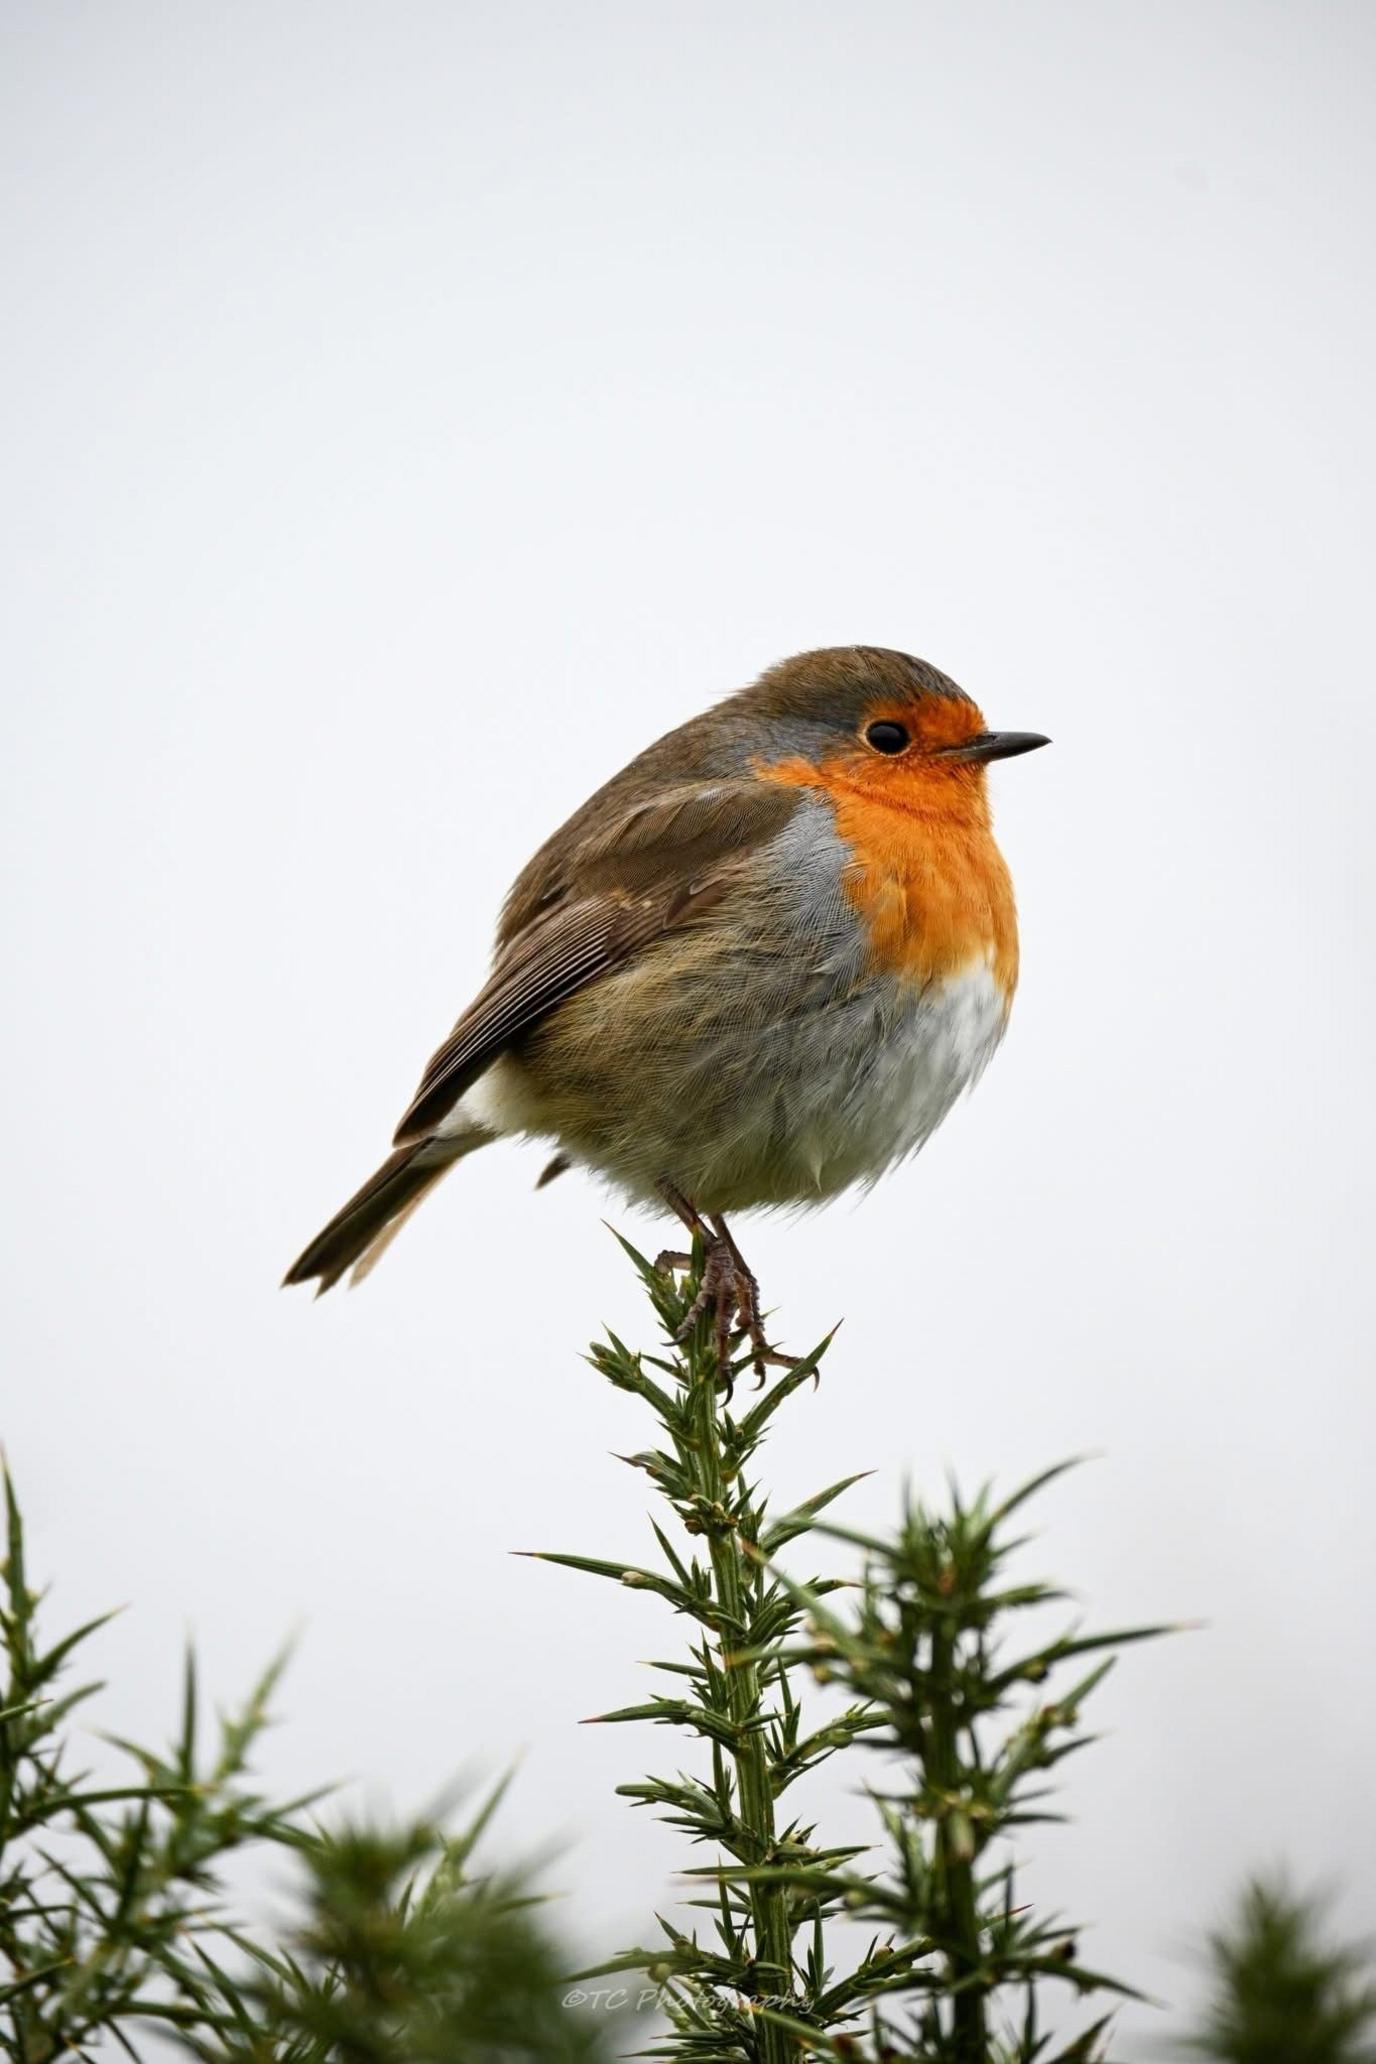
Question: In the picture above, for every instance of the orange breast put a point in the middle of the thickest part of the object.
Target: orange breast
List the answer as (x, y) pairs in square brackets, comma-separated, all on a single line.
[(925, 873)]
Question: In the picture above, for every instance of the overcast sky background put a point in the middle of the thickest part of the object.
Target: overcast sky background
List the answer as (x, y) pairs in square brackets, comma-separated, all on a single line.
[(413, 410)]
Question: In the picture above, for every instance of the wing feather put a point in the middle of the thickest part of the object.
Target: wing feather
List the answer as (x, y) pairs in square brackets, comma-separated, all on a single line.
[(657, 865)]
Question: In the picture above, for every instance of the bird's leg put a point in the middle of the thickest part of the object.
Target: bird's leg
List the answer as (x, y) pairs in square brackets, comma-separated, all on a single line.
[(716, 1294), (728, 1289), (673, 1260), (687, 1214), (671, 1257), (746, 1293), (717, 1289)]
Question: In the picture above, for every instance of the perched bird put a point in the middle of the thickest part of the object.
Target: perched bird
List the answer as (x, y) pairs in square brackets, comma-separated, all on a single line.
[(758, 966)]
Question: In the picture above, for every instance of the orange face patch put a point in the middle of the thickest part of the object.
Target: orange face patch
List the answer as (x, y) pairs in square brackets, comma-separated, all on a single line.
[(925, 874), (935, 721)]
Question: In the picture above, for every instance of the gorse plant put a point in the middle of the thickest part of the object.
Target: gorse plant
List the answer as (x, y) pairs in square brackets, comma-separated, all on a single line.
[(115, 1919), (1282, 1991), (115, 1916), (102, 1887), (739, 1703), (926, 1653), (399, 1956)]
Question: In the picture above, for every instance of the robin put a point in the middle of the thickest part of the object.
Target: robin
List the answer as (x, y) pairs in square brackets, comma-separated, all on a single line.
[(758, 966)]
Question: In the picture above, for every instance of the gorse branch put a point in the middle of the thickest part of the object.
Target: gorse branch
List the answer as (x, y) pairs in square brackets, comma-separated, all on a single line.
[(114, 1916), (743, 1711), (1282, 1989), (401, 1955), (954, 1964)]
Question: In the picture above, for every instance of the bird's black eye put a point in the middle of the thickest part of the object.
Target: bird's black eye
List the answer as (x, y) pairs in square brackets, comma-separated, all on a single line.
[(886, 736)]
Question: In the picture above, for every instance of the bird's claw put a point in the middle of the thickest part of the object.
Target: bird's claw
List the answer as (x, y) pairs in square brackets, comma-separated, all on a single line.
[(729, 1291)]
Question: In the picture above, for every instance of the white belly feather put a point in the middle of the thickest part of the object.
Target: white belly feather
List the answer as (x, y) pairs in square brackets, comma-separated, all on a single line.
[(906, 1073), (820, 1100)]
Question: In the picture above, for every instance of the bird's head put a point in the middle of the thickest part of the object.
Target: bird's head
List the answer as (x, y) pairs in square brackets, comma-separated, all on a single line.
[(878, 721)]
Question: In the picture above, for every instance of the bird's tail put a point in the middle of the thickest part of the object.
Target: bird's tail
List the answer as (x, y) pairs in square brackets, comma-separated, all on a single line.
[(359, 1234)]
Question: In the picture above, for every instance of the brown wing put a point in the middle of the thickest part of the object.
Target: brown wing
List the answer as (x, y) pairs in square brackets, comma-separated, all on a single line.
[(658, 864)]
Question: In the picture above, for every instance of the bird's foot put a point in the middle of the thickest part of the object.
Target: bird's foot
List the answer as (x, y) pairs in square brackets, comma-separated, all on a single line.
[(729, 1291)]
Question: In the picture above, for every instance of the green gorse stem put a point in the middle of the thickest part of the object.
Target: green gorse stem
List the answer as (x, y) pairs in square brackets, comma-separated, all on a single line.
[(731, 1996), (951, 1972), (730, 1533)]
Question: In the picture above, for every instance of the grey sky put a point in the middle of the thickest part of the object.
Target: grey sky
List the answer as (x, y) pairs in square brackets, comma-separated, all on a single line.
[(411, 411)]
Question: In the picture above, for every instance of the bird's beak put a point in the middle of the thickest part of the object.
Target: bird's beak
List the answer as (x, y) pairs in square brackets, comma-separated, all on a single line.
[(995, 745)]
